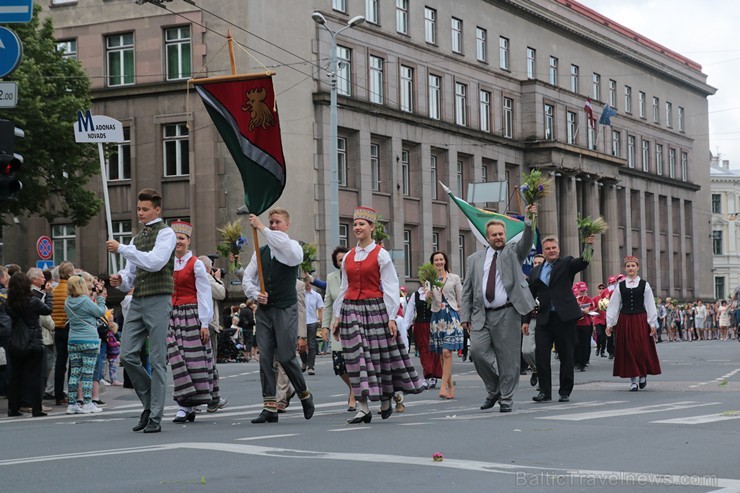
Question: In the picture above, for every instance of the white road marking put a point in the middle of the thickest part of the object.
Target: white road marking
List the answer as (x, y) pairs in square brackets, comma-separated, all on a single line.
[(535, 409), (658, 408), (352, 429), (269, 436), (413, 424), (698, 420)]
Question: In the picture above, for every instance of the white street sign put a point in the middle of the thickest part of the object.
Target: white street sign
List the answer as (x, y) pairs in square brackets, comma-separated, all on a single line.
[(8, 94), (97, 128)]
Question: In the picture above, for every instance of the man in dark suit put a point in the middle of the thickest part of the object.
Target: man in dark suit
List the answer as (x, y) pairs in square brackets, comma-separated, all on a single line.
[(552, 283)]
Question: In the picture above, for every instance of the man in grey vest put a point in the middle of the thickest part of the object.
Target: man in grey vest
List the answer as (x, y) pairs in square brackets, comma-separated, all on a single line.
[(277, 313), (149, 270)]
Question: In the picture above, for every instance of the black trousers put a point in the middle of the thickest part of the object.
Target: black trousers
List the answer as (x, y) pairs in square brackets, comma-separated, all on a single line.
[(563, 334), (25, 366), (61, 336), (582, 353), (600, 338)]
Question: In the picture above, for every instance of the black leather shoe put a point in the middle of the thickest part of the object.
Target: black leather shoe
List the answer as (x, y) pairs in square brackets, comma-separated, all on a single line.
[(564, 398), (266, 417), (643, 384), (362, 417), (308, 407), (152, 427), (386, 413), (490, 402), (14, 414), (143, 420), (533, 379), (542, 397), (183, 419), (504, 408)]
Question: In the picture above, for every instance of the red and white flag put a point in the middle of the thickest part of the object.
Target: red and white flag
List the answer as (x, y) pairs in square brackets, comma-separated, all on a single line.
[(590, 113)]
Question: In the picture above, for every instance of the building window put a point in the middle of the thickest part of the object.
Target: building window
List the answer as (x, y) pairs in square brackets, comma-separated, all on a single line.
[(549, 122), (671, 163), (177, 47), (430, 25), (656, 110), (340, 5), (342, 161), (433, 165), (120, 59), (461, 253), (631, 151), (405, 185), (460, 180), (571, 127), (616, 143), (407, 261), (613, 93), (376, 79), (668, 114), (122, 234), (484, 173), (659, 159), (531, 63), (68, 48), (461, 114), (596, 87), (574, 78), (591, 137), (435, 241), (407, 88), (375, 167), (402, 16), (717, 244), (627, 99), (344, 71), (553, 71), (508, 118), (681, 126), (645, 155), (119, 160), (485, 111), (435, 96), (481, 44), (457, 26), (503, 53), (176, 142), (641, 102), (716, 203), (719, 286), (684, 166), (372, 12), (343, 234), (65, 243)]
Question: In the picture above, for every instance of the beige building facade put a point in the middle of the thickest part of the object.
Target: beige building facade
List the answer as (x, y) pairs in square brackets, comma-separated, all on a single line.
[(725, 231)]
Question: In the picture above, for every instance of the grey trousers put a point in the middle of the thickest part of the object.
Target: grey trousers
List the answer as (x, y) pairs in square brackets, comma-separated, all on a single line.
[(496, 351), (148, 317), (277, 331), (284, 388), (528, 346)]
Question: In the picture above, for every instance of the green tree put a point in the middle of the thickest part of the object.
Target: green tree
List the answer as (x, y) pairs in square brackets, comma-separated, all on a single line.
[(51, 89)]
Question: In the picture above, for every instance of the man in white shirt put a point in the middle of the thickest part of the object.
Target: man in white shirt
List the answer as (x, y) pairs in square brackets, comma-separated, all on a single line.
[(314, 313)]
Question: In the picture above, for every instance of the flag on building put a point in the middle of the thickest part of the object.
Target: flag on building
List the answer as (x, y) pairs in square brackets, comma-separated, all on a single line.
[(245, 114), (589, 113), (606, 115)]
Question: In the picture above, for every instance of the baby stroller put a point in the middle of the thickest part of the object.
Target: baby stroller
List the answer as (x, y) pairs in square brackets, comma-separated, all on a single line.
[(230, 351)]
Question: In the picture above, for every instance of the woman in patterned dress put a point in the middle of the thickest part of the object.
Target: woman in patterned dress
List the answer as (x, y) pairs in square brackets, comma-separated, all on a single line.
[(365, 309), (446, 333)]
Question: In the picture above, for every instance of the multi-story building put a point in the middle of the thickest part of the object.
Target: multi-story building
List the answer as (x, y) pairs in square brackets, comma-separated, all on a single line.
[(725, 231), (457, 92)]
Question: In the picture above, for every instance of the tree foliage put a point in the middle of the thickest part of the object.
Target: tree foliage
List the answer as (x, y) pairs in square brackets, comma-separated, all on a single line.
[(51, 89)]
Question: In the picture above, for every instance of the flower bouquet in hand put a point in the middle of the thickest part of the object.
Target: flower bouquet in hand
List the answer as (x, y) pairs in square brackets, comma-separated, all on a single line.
[(536, 187), (231, 244), (589, 227), (428, 277), (309, 257)]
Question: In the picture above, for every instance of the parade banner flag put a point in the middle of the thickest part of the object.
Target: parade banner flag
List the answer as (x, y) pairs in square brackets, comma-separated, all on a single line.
[(606, 116), (245, 114)]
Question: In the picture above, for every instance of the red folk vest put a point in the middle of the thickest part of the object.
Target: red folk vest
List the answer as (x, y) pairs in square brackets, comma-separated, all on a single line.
[(185, 292), (363, 277)]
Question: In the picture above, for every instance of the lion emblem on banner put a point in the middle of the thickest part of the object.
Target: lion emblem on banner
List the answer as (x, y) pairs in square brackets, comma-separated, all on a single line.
[(260, 115)]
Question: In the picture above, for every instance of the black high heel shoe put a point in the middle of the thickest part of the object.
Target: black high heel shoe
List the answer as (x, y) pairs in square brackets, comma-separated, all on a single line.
[(191, 416), (365, 418), (386, 413)]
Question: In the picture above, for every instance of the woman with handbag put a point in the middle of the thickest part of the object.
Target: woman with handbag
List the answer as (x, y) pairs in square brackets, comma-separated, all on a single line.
[(26, 350)]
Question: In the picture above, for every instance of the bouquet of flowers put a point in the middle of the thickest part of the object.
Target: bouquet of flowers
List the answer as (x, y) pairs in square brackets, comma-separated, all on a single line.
[(309, 257), (231, 244), (603, 304), (588, 227), (536, 187), (379, 233), (428, 274)]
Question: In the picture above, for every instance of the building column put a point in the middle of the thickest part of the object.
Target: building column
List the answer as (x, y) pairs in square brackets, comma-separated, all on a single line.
[(595, 272), (426, 227), (681, 249), (548, 212), (656, 283), (612, 263), (453, 228), (643, 232), (627, 225), (670, 247), (569, 244), (395, 224)]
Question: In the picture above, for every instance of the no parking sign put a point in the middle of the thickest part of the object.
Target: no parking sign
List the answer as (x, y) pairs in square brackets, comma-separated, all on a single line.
[(44, 247)]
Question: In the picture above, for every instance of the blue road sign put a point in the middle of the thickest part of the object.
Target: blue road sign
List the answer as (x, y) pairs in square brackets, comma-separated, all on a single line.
[(10, 51), (16, 11), (45, 264)]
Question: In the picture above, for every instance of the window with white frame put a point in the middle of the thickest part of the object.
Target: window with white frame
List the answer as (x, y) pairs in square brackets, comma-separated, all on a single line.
[(340, 5), (503, 53), (717, 250), (344, 71), (591, 137), (460, 179), (549, 122), (64, 238), (461, 253), (375, 167), (684, 166), (177, 49), (407, 88), (531, 63), (407, 248), (405, 165), (659, 159), (716, 203), (616, 143), (176, 144), (681, 122), (122, 234), (119, 159), (343, 234), (596, 87), (430, 25), (656, 110), (433, 172), (574, 70), (645, 155), (119, 54), (435, 241), (631, 151), (627, 99), (435, 96), (457, 41), (668, 114), (485, 111), (719, 283), (402, 16), (372, 11), (481, 44), (571, 122), (508, 118), (671, 162), (376, 79), (613, 93), (553, 79), (641, 101), (461, 101), (484, 173), (342, 161), (68, 47)]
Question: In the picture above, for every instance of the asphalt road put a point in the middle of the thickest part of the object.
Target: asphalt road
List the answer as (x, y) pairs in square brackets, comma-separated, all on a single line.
[(680, 434)]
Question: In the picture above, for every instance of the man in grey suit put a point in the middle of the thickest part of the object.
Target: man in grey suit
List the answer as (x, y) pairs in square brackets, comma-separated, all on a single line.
[(495, 296)]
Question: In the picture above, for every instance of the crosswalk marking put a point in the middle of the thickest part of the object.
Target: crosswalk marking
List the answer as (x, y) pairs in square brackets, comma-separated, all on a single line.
[(673, 406), (698, 420), (268, 437)]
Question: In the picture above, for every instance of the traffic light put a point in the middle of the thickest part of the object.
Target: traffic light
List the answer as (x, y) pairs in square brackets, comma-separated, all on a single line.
[(10, 162)]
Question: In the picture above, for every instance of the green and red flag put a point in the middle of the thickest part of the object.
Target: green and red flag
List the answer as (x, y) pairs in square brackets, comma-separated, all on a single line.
[(245, 114)]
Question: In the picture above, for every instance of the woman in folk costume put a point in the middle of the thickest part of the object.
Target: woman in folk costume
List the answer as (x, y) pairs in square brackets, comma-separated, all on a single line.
[(632, 310), (188, 348), (365, 310)]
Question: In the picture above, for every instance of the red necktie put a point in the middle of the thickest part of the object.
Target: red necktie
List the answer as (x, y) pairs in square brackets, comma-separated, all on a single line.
[(491, 283)]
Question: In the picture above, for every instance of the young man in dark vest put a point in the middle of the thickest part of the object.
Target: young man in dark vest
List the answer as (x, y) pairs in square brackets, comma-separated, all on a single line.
[(149, 270), (277, 313)]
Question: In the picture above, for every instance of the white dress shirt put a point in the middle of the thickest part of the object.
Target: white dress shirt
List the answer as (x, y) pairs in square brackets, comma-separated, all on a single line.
[(409, 314), (615, 304), (313, 303), (501, 295), (282, 249), (202, 285), (151, 261)]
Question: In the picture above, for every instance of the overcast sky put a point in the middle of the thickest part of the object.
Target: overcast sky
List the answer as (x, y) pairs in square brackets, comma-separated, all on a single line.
[(706, 31)]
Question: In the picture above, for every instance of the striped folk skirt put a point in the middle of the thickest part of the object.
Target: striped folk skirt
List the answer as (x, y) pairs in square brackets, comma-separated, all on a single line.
[(193, 372), (377, 365)]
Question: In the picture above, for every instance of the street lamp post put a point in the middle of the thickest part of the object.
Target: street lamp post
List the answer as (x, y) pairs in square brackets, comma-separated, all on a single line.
[(334, 160)]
